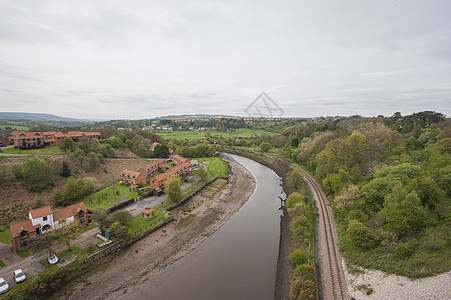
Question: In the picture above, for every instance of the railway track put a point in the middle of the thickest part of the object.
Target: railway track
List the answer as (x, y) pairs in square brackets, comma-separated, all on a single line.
[(333, 275), (333, 278)]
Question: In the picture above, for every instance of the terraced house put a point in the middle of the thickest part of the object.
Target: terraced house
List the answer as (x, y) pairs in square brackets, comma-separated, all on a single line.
[(28, 140), (180, 170), (152, 168), (133, 178), (43, 219)]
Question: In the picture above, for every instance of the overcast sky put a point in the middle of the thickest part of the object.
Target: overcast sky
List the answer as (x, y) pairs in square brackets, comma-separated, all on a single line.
[(141, 59)]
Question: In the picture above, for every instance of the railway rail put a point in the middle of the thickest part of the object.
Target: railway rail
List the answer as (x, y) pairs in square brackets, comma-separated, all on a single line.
[(334, 281)]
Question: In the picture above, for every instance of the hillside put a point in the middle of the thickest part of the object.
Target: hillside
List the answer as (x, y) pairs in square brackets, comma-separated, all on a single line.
[(36, 116)]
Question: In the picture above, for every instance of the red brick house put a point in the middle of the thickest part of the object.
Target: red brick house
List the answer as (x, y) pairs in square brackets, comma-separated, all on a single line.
[(180, 170), (43, 219), (133, 178), (152, 168), (178, 160), (21, 233), (54, 138), (26, 140), (4, 142)]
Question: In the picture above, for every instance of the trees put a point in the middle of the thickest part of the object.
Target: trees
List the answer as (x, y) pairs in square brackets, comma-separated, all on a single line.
[(68, 232), (68, 144), (361, 236), (265, 146), (173, 189), (122, 216), (44, 242), (161, 150), (65, 170), (295, 179)]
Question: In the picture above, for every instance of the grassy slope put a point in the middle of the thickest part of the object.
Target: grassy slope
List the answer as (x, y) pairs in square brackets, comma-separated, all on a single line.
[(215, 165), (110, 198), (50, 150)]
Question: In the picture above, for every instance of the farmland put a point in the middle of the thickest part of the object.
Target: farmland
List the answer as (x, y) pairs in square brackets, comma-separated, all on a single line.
[(198, 135)]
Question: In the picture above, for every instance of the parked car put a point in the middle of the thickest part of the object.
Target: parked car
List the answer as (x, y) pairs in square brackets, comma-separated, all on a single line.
[(19, 275), (4, 287), (53, 259)]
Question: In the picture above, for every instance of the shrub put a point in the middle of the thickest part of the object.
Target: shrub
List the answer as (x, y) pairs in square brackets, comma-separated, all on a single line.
[(298, 257)]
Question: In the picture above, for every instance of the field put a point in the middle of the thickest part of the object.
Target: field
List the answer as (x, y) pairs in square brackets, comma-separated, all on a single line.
[(215, 165), (122, 189), (199, 135), (50, 150)]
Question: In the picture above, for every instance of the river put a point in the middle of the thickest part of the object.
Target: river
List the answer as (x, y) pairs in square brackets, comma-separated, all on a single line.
[(239, 261)]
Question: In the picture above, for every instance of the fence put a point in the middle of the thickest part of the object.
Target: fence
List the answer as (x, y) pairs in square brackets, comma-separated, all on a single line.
[(120, 205), (101, 253)]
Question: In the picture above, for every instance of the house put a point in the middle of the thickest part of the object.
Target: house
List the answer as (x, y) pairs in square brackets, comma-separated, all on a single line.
[(92, 135), (4, 142), (178, 160), (54, 138), (180, 170), (152, 168), (12, 136), (21, 233), (74, 135), (26, 140), (43, 219), (75, 212), (133, 178)]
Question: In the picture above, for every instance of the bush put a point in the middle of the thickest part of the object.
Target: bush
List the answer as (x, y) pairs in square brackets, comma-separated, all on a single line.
[(298, 257)]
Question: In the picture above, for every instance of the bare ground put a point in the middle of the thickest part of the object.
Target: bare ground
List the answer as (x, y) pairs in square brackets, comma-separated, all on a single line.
[(155, 252)]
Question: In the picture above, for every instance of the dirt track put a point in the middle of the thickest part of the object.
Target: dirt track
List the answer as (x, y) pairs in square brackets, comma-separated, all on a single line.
[(155, 252)]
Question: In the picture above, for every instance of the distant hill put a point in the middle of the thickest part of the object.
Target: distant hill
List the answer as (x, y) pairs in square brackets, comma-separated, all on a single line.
[(36, 116), (197, 116)]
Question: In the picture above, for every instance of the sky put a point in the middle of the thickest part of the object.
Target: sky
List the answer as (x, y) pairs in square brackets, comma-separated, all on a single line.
[(143, 59)]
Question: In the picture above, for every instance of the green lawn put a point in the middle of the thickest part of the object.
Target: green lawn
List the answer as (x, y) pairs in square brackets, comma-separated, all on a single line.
[(24, 254), (138, 223), (132, 195), (110, 197), (4, 237), (50, 150), (2, 264), (197, 135), (215, 165)]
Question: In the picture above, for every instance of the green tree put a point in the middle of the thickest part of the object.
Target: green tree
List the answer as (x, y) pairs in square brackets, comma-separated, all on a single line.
[(161, 151), (65, 170), (68, 144), (298, 257), (43, 242), (172, 188), (360, 236), (265, 146), (68, 232), (122, 216), (403, 211), (294, 199), (295, 179)]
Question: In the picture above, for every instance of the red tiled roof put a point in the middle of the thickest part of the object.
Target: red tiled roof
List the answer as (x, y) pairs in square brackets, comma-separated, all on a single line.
[(91, 133), (59, 134), (16, 228), (74, 134), (178, 159), (130, 173), (40, 212), (69, 211), (29, 135)]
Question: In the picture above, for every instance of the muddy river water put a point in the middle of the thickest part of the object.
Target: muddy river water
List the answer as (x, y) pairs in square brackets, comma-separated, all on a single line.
[(239, 261)]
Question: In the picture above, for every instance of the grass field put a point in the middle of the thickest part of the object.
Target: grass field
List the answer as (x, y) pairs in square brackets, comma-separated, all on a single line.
[(110, 198), (139, 223), (4, 237), (24, 254), (50, 150), (198, 135), (215, 165), (2, 264)]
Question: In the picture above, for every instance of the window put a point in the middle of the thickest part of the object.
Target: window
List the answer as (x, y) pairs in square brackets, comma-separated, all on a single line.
[(23, 234), (82, 221), (24, 244), (44, 218), (81, 214)]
